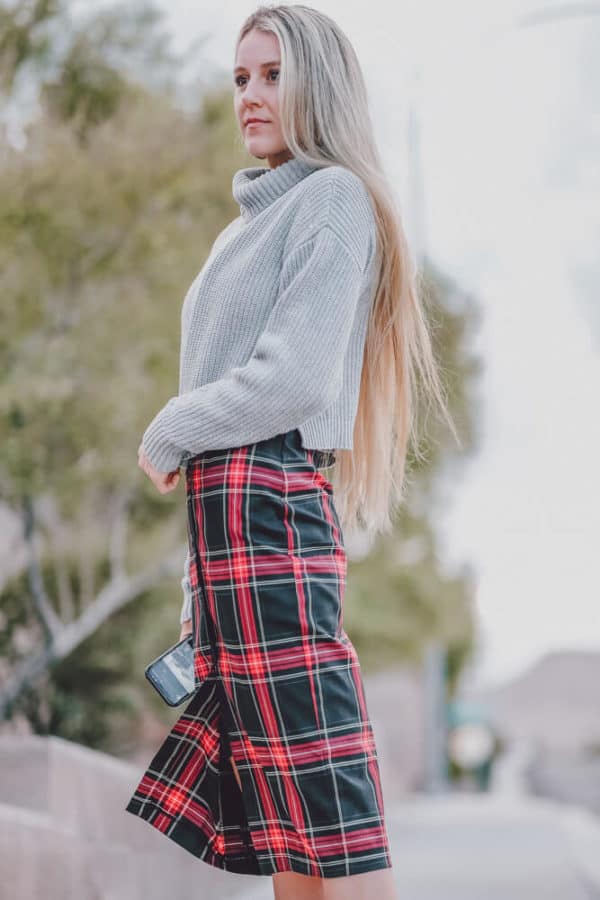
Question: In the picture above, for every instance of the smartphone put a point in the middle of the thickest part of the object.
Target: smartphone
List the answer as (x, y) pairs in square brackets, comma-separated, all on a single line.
[(172, 673)]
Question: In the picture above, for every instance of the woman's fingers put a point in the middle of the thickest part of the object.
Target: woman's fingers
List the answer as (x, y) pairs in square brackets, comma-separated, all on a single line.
[(186, 628), (164, 481)]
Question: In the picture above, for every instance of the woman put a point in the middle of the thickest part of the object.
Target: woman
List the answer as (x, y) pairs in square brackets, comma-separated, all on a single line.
[(300, 339)]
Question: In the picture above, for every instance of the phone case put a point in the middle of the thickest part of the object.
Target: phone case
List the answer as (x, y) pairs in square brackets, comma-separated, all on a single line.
[(172, 673)]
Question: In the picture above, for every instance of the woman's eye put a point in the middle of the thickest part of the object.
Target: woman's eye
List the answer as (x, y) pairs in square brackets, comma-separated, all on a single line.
[(237, 80)]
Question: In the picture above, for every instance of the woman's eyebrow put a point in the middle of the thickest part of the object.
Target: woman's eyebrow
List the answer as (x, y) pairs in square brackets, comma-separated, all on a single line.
[(272, 62)]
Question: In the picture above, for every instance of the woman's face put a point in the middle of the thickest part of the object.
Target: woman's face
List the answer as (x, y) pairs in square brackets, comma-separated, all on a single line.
[(255, 75)]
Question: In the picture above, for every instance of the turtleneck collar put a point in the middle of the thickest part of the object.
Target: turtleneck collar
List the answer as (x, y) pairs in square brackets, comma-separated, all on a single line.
[(257, 187)]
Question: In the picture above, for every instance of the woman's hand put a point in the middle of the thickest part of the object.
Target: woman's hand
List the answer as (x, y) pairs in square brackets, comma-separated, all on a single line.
[(186, 628), (164, 481)]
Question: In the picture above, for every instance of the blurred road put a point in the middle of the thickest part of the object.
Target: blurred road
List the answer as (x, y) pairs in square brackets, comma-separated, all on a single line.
[(473, 847)]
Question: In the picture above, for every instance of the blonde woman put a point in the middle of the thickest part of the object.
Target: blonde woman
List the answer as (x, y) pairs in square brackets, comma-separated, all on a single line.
[(301, 337)]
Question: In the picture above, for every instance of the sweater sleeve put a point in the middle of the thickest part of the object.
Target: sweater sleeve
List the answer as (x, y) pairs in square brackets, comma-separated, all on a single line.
[(296, 368)]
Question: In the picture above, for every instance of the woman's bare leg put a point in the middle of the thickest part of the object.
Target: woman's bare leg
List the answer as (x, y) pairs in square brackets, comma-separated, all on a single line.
[(293, 886), (235, 772), (376, 885)]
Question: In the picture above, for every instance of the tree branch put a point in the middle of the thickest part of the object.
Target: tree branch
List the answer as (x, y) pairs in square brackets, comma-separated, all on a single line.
[(63, 639)]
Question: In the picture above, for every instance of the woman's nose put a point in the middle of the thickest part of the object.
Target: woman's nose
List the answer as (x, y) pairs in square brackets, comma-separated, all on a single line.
[(252, 96)]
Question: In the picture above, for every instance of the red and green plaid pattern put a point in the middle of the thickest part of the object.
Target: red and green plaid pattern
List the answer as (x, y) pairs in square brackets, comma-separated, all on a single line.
[(279, 682)]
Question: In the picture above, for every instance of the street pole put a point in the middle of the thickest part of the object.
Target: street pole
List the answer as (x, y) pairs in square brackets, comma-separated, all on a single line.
[(436, 739)]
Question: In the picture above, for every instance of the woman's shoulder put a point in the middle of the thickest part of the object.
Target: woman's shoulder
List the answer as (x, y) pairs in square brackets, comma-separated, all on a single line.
[(344, 184), (335, 197)]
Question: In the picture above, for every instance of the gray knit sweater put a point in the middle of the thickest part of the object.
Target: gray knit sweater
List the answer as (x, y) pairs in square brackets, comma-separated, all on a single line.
[(274, 324)]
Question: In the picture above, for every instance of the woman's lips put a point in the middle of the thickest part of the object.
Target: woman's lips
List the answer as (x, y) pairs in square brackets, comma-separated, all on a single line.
[(250, 124)]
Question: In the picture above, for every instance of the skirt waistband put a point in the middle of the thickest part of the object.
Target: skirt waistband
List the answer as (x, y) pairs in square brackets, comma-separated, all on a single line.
[(290, 440)]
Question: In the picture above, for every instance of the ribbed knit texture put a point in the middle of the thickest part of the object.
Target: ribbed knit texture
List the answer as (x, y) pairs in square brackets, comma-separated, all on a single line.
[(274, 324)]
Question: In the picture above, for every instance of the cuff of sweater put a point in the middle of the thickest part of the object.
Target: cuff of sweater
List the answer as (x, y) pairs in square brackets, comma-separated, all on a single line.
[(164, 455), (186, 610)]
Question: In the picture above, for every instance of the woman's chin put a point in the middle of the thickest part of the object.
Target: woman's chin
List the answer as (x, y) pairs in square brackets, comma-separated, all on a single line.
[(258, 147)]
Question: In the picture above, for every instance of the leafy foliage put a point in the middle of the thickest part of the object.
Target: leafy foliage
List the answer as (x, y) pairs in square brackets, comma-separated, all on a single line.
[(110, 205)]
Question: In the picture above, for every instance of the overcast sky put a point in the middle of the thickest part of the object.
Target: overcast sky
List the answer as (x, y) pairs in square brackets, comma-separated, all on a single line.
[(509, 124)]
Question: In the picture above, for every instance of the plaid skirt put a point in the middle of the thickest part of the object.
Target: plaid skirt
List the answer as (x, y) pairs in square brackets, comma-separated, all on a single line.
[(279, 686)]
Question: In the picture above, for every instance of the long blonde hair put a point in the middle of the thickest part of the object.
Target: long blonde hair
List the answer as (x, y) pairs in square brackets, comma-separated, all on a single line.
[(325, 120)]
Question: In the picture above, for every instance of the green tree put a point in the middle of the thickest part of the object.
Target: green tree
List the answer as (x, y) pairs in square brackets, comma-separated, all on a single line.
[(110, 204), (108, 213)]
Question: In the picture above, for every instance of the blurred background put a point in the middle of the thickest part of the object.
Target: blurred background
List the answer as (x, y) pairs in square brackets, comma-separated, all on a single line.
[(477, 620)]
